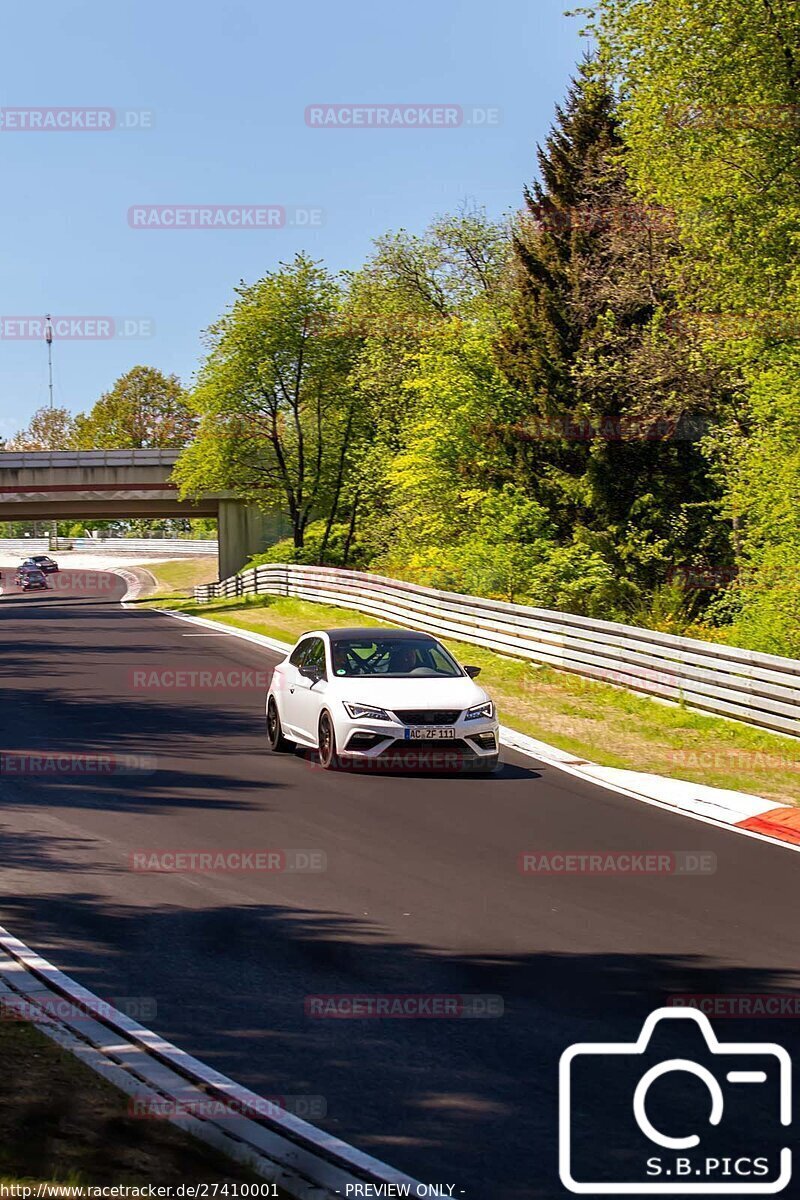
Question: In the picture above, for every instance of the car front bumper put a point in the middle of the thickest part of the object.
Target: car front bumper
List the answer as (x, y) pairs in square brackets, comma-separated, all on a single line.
[(386, 744)]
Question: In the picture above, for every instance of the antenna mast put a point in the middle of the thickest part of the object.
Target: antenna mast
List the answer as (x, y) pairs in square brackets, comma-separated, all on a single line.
[(48, 337)]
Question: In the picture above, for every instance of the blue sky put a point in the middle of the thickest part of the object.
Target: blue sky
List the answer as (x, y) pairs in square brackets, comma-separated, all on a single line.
[(225, 88)]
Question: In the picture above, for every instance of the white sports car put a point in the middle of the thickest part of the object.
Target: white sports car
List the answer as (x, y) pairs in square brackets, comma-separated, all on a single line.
[(389, 698)]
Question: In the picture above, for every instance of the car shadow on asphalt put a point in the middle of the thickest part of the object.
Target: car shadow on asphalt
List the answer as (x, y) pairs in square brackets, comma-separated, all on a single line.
[(506, 772)]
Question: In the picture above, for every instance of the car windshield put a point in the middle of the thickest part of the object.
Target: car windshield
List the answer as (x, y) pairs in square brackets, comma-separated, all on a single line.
[(390, 657)]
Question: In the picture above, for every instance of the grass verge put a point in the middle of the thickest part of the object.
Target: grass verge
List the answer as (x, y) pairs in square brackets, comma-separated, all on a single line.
[(597, 721), (178, 576), (62, 1123)]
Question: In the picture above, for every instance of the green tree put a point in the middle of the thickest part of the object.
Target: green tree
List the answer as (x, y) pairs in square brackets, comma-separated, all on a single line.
[(710, 116), (279, 419), (616, 402), (48, 429), (145, 409), (564, 205), (414, 305)]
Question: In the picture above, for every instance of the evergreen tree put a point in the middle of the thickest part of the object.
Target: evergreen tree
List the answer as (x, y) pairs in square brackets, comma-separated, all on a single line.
[(538, 352), (617, 400)]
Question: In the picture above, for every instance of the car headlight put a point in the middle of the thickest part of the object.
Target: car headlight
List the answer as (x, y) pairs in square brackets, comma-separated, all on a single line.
[(483, 711), (366, 712)]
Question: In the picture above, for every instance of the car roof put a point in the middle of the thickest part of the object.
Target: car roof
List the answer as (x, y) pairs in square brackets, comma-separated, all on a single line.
[(371, 631)]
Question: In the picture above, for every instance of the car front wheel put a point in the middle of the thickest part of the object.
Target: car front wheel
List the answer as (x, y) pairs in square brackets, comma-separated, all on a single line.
[(275, 738), (328, 758)]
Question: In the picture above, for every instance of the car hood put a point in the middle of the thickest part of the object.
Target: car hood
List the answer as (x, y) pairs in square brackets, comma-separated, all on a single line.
[(424, 692)]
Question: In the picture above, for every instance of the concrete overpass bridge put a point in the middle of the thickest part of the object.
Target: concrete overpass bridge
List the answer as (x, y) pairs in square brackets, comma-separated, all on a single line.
[(59, 485)]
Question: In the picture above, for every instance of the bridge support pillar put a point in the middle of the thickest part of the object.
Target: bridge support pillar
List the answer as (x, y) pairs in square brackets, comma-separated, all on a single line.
[(243, 530)]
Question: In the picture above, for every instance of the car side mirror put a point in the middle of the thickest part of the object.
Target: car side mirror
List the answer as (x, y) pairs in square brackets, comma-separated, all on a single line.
[(473, 672), (312, 673)]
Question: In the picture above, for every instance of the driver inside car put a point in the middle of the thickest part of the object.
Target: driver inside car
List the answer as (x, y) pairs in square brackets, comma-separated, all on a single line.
[(403, 660)]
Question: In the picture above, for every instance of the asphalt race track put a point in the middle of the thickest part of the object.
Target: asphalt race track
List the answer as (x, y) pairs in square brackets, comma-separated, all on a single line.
[(64, 585), (422, 894)]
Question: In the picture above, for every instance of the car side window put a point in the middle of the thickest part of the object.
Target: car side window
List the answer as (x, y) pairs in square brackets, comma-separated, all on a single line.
[(316, 657), (297, 657)]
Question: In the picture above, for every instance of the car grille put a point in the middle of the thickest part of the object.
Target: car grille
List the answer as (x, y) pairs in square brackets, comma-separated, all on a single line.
[(427, 716)]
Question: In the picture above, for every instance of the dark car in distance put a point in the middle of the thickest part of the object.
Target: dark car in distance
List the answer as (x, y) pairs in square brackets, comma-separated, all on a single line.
[(44, 563), (29, 577)]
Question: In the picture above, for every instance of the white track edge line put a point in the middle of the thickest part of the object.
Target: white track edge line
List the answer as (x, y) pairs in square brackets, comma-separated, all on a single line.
[(120, 1078), (306, 1135)]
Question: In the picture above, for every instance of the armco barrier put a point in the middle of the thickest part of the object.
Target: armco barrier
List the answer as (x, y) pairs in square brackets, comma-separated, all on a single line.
[(138, 545), (24, 546), (761, 689)]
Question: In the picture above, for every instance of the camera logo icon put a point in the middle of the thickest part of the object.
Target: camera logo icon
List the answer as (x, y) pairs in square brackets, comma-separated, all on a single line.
[(636, 1121)]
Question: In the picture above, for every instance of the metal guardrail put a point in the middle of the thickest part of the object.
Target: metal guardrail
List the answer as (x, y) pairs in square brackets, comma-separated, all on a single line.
[(760, 689), (24, 546), (137, 545)]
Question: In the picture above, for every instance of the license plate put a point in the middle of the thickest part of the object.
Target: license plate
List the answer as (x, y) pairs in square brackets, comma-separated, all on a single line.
[(424, 733)]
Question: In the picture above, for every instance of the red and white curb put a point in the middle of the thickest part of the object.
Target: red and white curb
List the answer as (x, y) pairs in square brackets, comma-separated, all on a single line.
[(135, 582), (750, 815), (278, 1146)]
